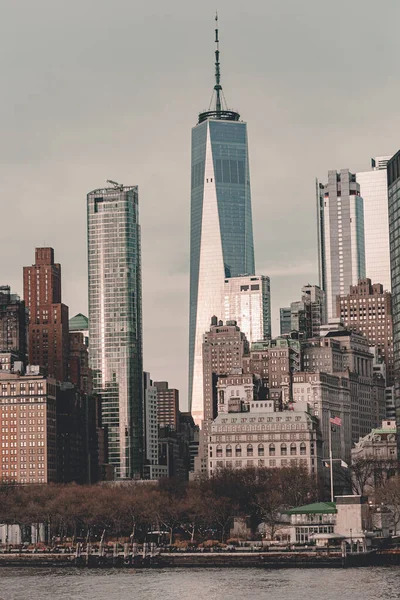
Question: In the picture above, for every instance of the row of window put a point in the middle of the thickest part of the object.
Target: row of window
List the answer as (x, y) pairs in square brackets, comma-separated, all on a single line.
[(284, 449)]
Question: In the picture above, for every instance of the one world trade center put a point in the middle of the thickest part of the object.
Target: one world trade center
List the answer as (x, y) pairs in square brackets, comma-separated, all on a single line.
[(221, 234)]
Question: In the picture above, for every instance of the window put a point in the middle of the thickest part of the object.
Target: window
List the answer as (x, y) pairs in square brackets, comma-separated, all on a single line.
[(229, 451), (302, 449), (272, 449), (293, 449), (283, 450), (249, 450), (238, 450), (260, 449), (219, 451)]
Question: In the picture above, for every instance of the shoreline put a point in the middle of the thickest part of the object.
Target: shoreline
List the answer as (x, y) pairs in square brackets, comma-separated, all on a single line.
[(262, 560)]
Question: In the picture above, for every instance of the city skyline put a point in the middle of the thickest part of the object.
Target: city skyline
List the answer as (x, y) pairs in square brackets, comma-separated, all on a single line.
[(278, 216)]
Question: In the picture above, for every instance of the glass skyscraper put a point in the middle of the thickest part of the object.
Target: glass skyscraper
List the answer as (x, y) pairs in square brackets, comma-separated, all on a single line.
[(221, 236), (115, 321)]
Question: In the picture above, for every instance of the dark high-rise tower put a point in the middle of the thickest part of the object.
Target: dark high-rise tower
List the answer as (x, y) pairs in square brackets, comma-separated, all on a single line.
[(13, 326), (221, 234), (393, 179), (48, 317)]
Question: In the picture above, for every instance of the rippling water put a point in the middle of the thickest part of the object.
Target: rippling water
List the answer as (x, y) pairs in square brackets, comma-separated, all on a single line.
[(200, 584)]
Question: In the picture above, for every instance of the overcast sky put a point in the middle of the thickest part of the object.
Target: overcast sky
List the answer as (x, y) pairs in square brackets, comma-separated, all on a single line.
[(109, 89)]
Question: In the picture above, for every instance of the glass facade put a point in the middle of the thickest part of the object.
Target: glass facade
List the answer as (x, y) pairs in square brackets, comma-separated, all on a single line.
[(115, 321), (374, 191), (247, 301), (221, 231), (393, 179)]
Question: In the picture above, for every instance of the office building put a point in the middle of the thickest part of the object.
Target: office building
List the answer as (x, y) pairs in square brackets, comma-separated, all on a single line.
[(151, 469), (221, 237), (247, 300), (167, 405), (115, 321), (346, 353), (341, 255), (285, 323), (374, 191), (13, 325), (315, 302), (248, 433), (48, 317), (368, 310), (393, 178), (28, 425), (223, 349), (306, 315)]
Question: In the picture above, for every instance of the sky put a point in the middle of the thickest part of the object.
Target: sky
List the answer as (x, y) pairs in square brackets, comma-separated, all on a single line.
[(100, 89)]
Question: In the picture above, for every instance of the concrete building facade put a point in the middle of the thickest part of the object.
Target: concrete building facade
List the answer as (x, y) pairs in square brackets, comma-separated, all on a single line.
[(374, 191), (167, 405), (368, 310), (28, 428), (340, 211)]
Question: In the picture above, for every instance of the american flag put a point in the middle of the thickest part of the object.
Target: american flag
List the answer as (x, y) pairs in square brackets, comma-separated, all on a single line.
[(335, 421)]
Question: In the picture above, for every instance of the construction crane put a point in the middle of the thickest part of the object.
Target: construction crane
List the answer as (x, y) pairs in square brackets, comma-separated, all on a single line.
[(117, 186)]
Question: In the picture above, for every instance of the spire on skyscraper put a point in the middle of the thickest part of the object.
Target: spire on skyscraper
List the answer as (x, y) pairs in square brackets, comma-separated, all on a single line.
[(221, 110), (217, 86)]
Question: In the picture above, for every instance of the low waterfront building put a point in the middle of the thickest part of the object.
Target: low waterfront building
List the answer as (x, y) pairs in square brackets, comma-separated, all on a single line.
[(349, 518)]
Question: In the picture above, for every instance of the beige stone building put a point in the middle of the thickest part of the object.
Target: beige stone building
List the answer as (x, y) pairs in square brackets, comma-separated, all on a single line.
[(250, 433)]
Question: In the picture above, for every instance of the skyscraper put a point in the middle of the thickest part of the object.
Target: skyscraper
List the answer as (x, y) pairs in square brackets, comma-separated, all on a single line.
[(247, 301), (368, 309), (393, 178), (373, 190), (48, 334), (340, 236), (115, 321), (221, 236), (13, 326), (285, 320)]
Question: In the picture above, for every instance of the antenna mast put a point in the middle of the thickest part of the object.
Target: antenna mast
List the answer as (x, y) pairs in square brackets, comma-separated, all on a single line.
[(217, 86)]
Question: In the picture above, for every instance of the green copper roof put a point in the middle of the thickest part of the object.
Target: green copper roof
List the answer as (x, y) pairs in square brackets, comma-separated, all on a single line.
[(313, 509), (78, 322)]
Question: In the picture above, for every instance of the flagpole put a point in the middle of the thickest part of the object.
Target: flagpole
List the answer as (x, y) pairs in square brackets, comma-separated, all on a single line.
[(330, 455)]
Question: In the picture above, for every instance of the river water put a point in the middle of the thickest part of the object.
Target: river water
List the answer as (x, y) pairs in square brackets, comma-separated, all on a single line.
[(200, 584)]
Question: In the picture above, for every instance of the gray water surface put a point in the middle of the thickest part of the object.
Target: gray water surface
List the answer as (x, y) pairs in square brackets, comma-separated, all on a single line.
[(200, 584)]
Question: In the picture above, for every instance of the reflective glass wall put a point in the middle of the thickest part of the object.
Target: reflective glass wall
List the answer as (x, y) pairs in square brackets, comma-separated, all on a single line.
[(221, 232), (115, 321)]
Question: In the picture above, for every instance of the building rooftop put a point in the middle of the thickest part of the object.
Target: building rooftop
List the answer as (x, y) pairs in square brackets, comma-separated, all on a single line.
[(78, 323), (322, 508)]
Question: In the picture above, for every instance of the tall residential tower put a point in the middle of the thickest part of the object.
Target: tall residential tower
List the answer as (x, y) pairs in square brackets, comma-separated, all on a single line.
[(340, 236), (221, 235), (115, 321)]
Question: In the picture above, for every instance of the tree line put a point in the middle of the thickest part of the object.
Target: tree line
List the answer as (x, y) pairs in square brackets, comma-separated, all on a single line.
[(194, 511)]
